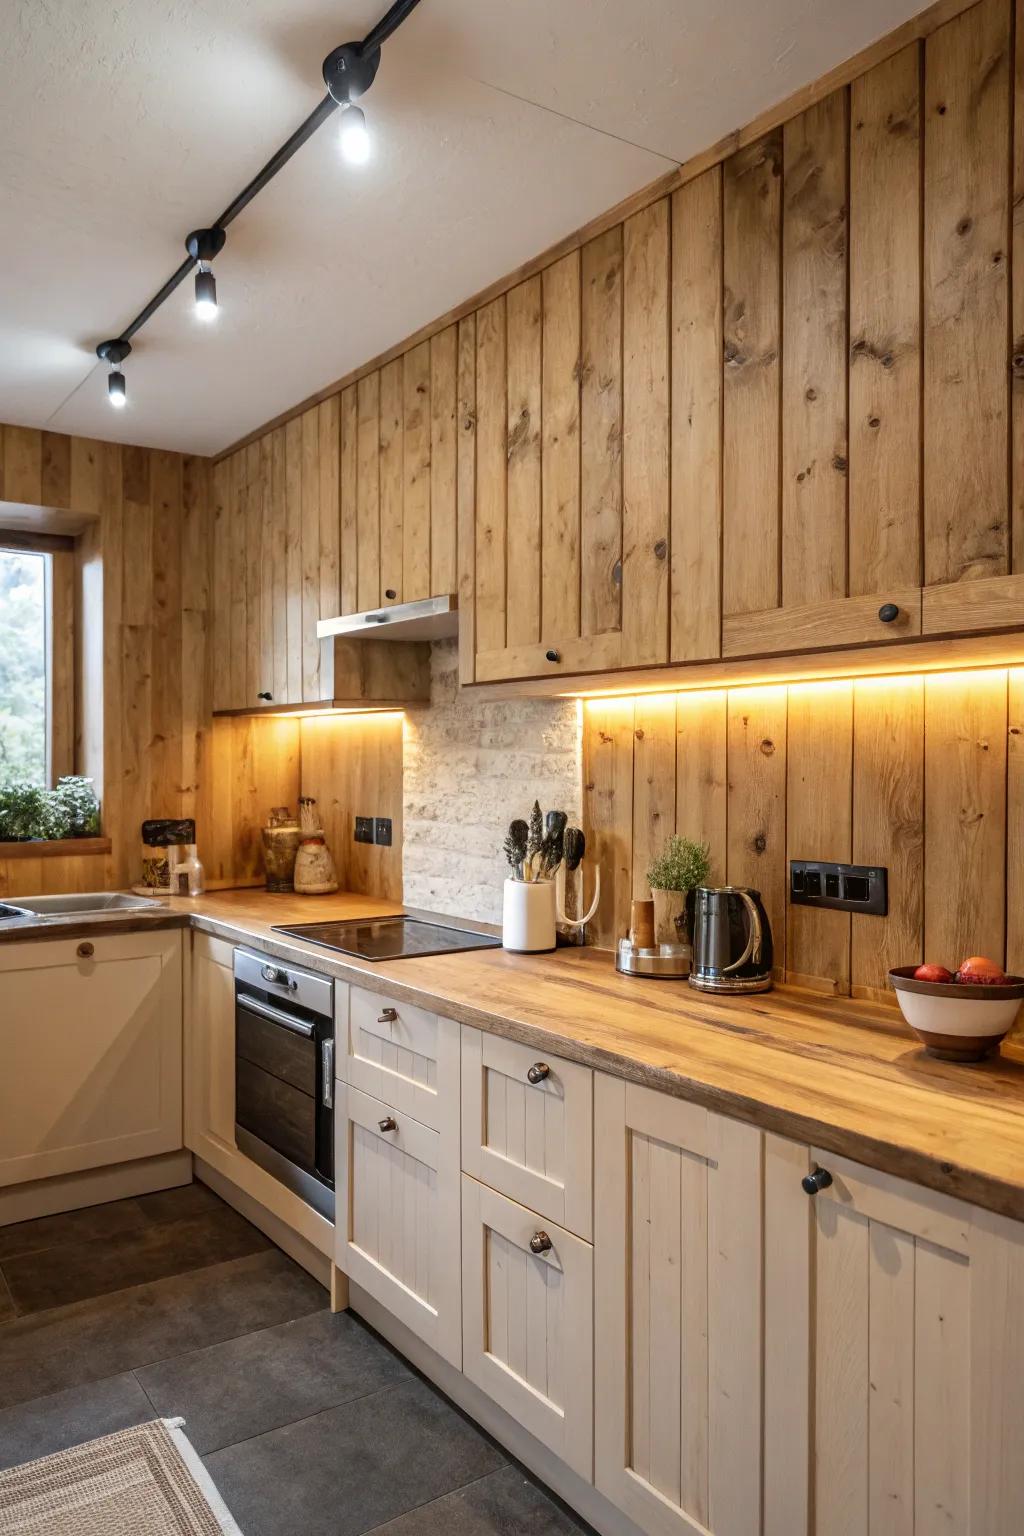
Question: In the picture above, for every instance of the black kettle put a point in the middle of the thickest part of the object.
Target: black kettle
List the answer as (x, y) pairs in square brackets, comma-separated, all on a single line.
[(732, 940)]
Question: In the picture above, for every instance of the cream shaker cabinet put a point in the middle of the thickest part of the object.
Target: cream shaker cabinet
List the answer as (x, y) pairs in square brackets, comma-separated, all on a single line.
[(210, 1048), (90, 1039)]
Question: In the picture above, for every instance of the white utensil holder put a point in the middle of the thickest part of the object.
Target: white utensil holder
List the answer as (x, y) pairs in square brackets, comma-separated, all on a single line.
[(528, 916)]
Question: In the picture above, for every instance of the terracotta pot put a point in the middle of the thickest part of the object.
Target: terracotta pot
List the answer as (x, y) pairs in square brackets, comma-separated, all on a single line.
[(670, 926)]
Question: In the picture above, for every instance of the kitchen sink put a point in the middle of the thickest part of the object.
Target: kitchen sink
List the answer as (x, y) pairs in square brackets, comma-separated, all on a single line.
[(83, 902)]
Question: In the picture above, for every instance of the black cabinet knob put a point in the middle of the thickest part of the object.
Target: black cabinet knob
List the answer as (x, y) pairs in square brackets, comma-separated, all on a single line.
[(390, 594), (538, 1072), (266, 696), (888, 613), (389, 1123), (553, 655), (820, 1179), (540, 1242)]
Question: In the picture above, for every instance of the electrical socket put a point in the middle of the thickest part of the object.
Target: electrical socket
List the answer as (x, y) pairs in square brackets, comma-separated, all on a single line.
[(843, 887), (382, 831), (363, 829)]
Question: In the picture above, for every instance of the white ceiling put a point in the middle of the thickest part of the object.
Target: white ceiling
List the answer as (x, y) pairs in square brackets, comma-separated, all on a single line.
[(498, 126)]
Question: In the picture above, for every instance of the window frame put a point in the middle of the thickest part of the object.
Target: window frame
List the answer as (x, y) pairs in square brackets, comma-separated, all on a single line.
[(59, 582)]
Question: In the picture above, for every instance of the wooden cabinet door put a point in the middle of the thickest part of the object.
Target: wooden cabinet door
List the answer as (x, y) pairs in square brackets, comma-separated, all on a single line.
[(893, 1392), (527, 1127), (210, 1047), (90, 1039), (397, 1218), (528, 1337), (677, 1297), (404, 1055)]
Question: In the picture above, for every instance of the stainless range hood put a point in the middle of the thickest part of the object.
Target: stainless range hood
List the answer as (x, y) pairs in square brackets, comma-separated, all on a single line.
[(430, 618)]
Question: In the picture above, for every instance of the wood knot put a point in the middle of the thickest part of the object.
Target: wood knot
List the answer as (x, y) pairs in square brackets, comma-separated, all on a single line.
[(760, 843), (964, 225), (639, 733), (941, 109), (811, 393), (874, 421), (617, 573), (661, 549), (766, 746), (839, 464), (887, 360)]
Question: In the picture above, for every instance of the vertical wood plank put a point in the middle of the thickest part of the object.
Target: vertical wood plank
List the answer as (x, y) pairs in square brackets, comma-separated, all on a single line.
[(443, 518), (965, 815), (702, 773), (55, 471), (966, 243), (885, 325), (349, 536), (23, 465), (392, 482), (560, 464), (814, 449), (310, 553), (237, 534), (162, 762), (819, 824), (523, 512), (269, 570), (1015, 824), (752, 223), (466, 491), (891, 1401), (491, 484), (996, 1392), (696, 418), (221, 515), (253, 504), (654, 782), (1017, 301), (646, 431), (134, 788), (601, 434), (756, 847), (368, 491), (196, 649), (888, 825), (788, 1314), (608, 811), (279, 560), (942, 1397), (416, 515), (841, 1371), (293, 556), (328, 454)]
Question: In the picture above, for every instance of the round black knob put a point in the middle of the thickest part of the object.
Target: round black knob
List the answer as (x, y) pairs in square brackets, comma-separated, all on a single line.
[(390, 594), (85, 951), (813, 1182), (389, 1123), (888, 612), (266, 696), (540, 1242), (538, 1072), (553, 655)]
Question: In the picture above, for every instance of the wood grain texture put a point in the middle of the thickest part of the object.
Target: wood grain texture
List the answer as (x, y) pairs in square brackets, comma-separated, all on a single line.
[(328, 463), (349, 483), (608, 810), (1017, 300), (814, 447), (654, 783), (368, 492), (601, 435), (752, 224), (416, 505), (443, 468), (560, 452), (277, 559), (293, 557), (966, 300), (696, 418), (466, 497), (756, 846), (491, 480), (347, 764), (819, 756), (310, 555), (646, 436), (701, 774), (392, 483), (811, 626), (885, 325), (523, 308), (1015, 823)]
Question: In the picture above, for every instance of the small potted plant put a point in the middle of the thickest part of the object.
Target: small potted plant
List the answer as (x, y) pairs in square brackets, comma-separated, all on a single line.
[(681, 867)]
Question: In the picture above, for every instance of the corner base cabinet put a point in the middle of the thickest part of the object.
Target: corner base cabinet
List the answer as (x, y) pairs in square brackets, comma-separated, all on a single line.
[(90, 1040)]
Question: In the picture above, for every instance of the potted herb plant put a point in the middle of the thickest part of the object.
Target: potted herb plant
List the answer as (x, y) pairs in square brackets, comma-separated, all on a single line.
[(681, 866)]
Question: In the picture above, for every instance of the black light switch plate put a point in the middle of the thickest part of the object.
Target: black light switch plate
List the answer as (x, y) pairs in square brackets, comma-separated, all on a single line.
[(382, 831), (843, 887), (364, 829)]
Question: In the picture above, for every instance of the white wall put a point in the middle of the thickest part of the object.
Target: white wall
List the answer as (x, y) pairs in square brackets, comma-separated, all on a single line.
[(469, 768)]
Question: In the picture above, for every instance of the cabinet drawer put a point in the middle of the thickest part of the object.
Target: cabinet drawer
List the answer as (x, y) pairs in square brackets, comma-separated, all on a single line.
[(397, 1231), (527, 1330), (403, 1055), (532, 1140)]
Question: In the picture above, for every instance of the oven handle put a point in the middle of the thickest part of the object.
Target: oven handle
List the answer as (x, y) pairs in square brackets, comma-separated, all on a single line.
[(275, 1015)]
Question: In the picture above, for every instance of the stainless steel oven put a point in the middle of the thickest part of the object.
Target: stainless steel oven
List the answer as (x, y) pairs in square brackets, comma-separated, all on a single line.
[(284, 1074)]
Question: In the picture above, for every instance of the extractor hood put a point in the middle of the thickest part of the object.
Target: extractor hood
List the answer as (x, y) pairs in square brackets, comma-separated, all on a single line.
[(429, 618)]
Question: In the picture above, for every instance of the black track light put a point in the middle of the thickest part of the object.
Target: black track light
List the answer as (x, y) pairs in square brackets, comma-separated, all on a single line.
[(203, 245), (114, 352)]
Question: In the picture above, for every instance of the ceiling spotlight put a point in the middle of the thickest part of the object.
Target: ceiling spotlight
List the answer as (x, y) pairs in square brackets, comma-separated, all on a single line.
[(355, 141), (114, 352), (206, 293), (203, 245)]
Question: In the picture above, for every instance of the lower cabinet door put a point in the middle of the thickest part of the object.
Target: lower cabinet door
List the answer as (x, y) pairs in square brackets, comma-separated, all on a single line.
[(677, 1292), (397, 1219), (210, 1047), (528, 1337)]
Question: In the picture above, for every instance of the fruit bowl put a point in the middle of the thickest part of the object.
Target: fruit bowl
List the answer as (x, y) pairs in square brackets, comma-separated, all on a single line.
[(958, 1021)]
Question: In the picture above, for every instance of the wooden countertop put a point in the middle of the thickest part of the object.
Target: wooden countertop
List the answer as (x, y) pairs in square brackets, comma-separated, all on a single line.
[(847, 1077)]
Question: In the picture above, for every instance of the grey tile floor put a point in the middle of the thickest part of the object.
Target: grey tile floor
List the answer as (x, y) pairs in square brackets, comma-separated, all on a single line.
[(172, 1305)]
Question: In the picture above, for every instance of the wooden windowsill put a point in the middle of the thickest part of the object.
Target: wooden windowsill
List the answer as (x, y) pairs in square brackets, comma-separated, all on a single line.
[(57, 848)]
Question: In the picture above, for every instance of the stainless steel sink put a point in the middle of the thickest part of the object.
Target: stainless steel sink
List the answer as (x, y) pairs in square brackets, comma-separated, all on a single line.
[(84, 902)]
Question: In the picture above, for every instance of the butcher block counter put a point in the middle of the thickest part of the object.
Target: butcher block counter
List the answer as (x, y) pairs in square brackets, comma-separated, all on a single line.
[(843, 1075)]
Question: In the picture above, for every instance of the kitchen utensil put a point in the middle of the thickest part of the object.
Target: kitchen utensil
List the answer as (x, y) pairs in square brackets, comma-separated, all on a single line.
[(528, 916), (515, 846), (956, 1021), (641, 924), (574, 846), (732, 940)]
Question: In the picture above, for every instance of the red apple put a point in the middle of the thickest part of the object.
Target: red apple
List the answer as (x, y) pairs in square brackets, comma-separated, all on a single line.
[(932, 973), (978, 971)]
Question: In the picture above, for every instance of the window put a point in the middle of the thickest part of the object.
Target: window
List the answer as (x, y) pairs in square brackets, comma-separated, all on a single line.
[(36, 659)]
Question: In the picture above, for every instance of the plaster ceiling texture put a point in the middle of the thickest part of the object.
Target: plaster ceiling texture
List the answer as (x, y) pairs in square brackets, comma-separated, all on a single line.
[(497, 129)]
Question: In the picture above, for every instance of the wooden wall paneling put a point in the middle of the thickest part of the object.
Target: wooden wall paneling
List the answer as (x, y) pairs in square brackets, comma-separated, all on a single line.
[(751, 231), (601, 434), (89, 483), (353, 766), (253, 505), (349, 542), (311, 553), (133, 799), (237, 687), (416, 514), (645, 446), (466, 497), (819, 797), (329, 454), (608, 745), (965, 815), (1015, 823), (756, 845), (523, 307), (368, 492), (196, 642), (491, 482), (443, 515), (293, 556), (163, 762), (254, 765), (560, 455), (55, 471), (271, 574), (885, 326), (109, 682), (392, 483), (888, 826), (966, 315), (696, 418), (23, 464), (814, 353), (1017, 300), (278, 492), (702, 721), (220, 513), (654, 782)]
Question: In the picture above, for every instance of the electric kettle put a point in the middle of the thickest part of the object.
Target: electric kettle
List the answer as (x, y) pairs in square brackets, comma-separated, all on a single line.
[(732, 940)]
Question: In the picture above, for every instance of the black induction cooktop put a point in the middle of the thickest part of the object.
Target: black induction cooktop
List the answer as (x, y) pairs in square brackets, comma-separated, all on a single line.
[(389, 938)]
